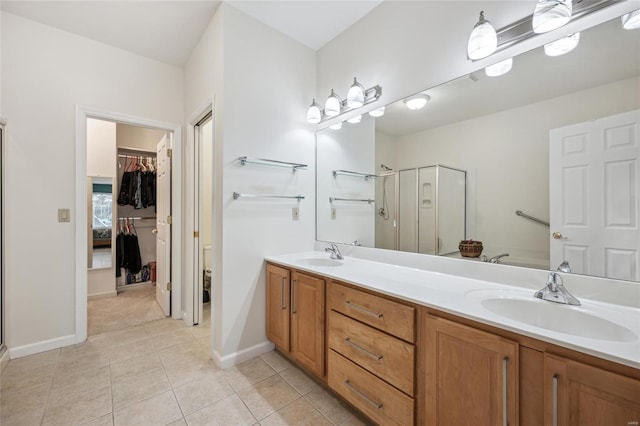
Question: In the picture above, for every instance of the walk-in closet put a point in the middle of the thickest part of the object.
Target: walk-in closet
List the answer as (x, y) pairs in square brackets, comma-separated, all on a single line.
[(123, 197)]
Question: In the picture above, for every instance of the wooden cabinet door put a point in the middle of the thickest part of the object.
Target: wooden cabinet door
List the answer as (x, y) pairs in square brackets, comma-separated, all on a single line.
[(278, 298), (471, 376), (578, 394), (307, 322)]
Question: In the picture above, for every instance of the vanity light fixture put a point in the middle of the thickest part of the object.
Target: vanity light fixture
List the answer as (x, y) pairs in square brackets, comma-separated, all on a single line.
[(314, 114), (631, 21), (357, 97), (336, 126), (416, 102), (551, 14), (562, 46), (355, 120), (333, 105), (377, 112), (483, 40), (499, 69)]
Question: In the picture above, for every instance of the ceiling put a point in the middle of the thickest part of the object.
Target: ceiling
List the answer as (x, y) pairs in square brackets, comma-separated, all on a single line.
[(168, 30)]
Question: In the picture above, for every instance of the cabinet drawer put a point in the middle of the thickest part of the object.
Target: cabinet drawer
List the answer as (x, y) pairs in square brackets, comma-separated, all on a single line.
[(381, 402), (385, 356), (392, 317)]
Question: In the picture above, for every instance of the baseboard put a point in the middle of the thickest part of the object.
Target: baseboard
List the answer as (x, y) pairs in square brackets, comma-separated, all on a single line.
[(45, 345), (240, 356), (104, 295)]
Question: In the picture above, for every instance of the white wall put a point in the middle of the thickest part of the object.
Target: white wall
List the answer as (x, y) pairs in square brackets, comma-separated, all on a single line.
[(45, 74), (509, 154), (350, 148), (138, 137), (261, 82), (268, 81)]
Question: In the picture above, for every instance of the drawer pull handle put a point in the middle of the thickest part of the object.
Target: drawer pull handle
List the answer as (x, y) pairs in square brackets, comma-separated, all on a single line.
[(293, 296), (377, 405), (363, 310), (363, 350), (555, 400), (282, 305), (505, 360)]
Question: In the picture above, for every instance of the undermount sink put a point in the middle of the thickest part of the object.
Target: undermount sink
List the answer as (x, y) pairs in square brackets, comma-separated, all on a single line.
[(315, 261), (556, 317)]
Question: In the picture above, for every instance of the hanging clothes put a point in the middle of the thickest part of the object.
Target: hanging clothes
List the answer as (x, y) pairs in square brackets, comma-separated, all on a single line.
[(138, 186), (127, 250)]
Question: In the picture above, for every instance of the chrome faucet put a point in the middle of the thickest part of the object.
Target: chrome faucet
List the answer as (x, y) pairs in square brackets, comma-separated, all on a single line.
[(555, 291), (494, 259), (335, 251)]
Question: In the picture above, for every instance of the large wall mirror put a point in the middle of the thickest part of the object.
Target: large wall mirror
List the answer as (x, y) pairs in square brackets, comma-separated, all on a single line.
[(555, 138)]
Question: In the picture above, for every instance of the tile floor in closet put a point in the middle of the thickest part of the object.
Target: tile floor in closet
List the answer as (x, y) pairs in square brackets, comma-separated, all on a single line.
[(160, 373)]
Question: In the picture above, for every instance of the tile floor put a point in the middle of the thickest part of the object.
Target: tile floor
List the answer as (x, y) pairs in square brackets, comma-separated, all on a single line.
[(160, 373)]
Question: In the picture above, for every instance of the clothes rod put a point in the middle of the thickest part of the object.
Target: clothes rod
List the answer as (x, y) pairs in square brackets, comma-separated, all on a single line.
[(137, 156), (365, 176), (535, 219), (138, 218), (266, 162), (360, 200), (237, 195)]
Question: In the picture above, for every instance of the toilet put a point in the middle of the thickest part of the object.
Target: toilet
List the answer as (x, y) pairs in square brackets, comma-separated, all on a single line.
[(208, 263)]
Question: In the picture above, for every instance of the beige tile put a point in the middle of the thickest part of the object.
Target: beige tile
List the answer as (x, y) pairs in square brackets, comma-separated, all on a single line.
[(158, 410), (299, 413), (357, 420), (179, 422), (190, 369), (164, 326), (69, 387), (33, 361), (203, 391), (329, 406), (229, 411), (247, 373), (132, 367), (131, 350), (130, 335), (106, 420), (276, 361), (83, 408), (299, 380), (178, 353), (205, 342), (13, 381), (201, 330), (139, 387), (268, 396), (24, 407), (172, 338), (74, 363)]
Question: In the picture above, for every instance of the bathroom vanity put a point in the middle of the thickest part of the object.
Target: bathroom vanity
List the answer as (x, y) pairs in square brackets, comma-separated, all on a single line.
[(407, 346)]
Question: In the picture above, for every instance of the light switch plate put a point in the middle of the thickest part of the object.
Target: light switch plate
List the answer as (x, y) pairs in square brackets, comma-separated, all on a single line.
[(64, 215), (333, 213), (295, 213)]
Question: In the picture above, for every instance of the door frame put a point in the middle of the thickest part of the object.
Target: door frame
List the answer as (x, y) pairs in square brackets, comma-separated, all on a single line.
[(82, 114), (192, 294), (3, 336)]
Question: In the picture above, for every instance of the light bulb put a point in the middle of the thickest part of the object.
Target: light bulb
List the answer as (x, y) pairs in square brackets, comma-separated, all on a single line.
[(355, 96), (483, 40), (336, 126), (355, 120), (631, 21), (314, 115), (416, 101), (333, 105), (499, 69), (562, 46), (377, 112), (551, 14)]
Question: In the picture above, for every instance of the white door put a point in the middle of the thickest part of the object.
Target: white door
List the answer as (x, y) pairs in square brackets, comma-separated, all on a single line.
[(593, 177), (163, 237)]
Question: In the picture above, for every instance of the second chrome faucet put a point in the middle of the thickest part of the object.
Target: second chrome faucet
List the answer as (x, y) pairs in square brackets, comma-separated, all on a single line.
[(335, 251)]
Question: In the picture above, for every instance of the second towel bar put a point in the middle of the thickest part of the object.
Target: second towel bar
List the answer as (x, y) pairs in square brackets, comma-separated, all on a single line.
[(361, 200), (237, 195)]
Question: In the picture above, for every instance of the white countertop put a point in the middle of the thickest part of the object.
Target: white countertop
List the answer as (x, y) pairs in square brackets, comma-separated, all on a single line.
[(463, 297)]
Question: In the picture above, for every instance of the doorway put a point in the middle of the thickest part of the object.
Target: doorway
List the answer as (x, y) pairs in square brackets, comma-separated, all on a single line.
[(169, 299), (129, 233), (203, 217), (2, 335)]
